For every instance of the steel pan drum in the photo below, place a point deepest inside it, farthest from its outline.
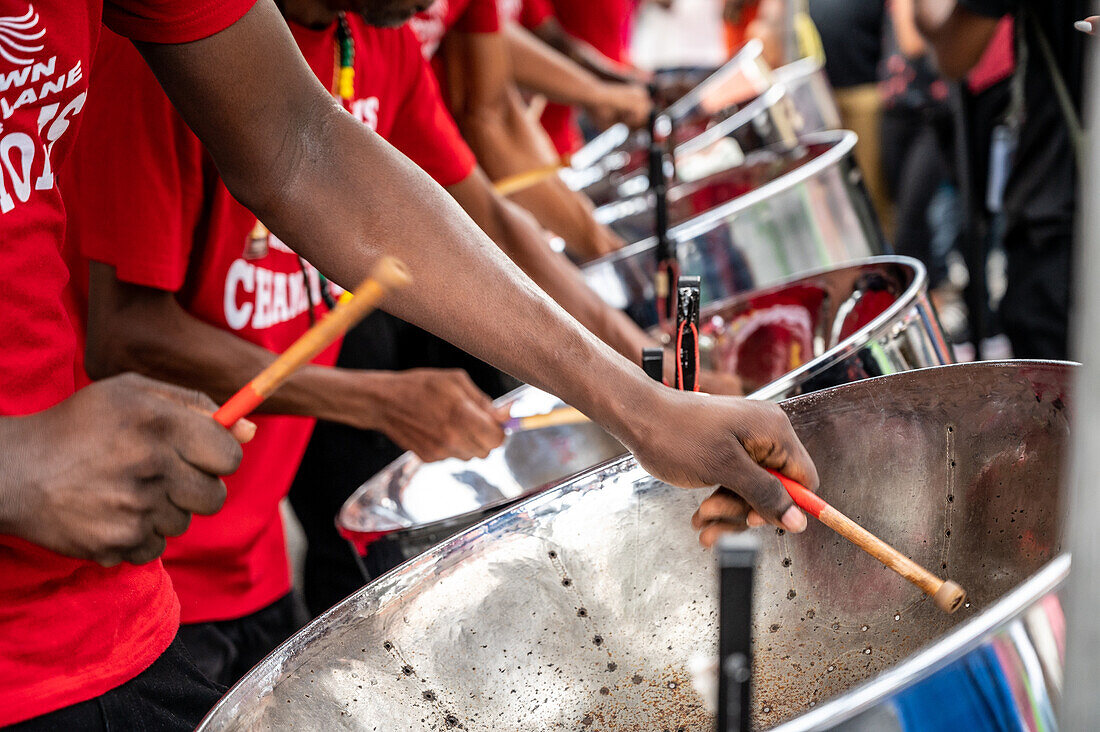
(813, 216)
(827, 328)
(579, 608)
(741, 107)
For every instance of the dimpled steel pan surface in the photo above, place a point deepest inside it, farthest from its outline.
(813, 215)
(580, 608)
(827, 328)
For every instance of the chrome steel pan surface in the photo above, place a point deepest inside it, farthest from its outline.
(813, 216)
(580, 608)
(762, 109)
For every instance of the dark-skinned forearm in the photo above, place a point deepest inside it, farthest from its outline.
(291, 153)
(516, 234)
(139, 329)
(552, 34)
(540, 68)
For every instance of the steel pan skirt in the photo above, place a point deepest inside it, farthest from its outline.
(816, 215)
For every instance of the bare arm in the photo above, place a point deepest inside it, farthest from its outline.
(435, 413)
(341, 196)
(552, 34)
(490, 113)
(540, 68)
(520, 237)
(958, 36)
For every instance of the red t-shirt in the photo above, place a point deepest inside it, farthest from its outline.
(165, 220)
(606, 26)
(69, 630)
(467, 16)
(528, 13)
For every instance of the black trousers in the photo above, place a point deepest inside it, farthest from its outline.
(339, 459)
(226, 650)
(171, 695)
(916, 161)
(1035, 308)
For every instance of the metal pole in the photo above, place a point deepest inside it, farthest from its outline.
(1081, 704)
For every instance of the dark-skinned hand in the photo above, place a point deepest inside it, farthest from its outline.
(112, 471)
(698, 440)
(436, 413)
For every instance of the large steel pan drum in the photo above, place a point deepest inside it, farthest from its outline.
(814, 215)
(580, 608)
(827, 328)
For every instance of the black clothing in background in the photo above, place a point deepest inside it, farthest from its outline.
(172, 695)
(228, 649)
(916, 161)
(1040, 195)
(339, 459)
(851, 34)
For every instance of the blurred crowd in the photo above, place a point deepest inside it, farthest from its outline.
(968, 114)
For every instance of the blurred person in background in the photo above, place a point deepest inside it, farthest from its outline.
(918, 150)
(1042, 141)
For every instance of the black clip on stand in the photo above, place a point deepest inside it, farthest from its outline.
(687, 333)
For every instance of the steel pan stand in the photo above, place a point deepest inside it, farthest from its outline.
(736, 563)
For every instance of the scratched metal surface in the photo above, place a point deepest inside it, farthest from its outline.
(579, 608)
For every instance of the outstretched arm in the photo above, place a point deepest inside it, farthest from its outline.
(341, 196)
(487, 106)
(435, 413)
(540, 68)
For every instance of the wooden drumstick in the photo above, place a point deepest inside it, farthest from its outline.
(553, 418)
(388, 274)
(947, 595)
(522, 181)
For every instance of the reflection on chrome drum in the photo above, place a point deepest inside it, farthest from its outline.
(813, 216)
(580, 608)
(741, 107)
(827, 328)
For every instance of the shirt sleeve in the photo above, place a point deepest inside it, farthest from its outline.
(426, 133)
(988, 8)
(172, 21)
(480, 16)
(534, 13)
(133, 184)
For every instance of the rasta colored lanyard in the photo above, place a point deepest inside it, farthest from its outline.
(343, 88)
(343, 82)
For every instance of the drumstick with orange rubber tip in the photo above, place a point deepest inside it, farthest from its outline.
(387, 275)
(947, 595)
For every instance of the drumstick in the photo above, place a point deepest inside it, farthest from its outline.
(388, 274)
(947, 595)
(521, 181)
(553, 418)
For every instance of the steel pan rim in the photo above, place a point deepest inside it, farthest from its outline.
(843, 142)
(752, 49)
(960, 640)
(881, 323)
(798, 69)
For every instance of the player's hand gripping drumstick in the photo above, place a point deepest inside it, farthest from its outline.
(387, 275)
(947, 595)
